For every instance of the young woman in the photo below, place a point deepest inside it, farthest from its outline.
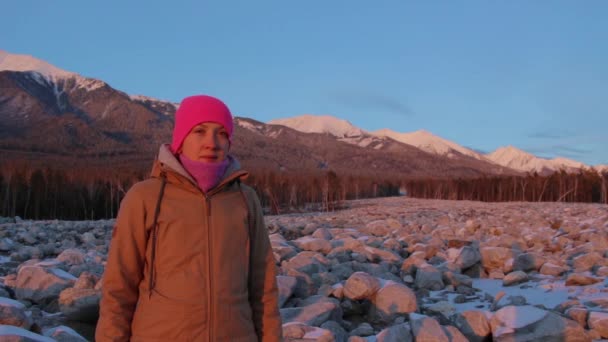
(190, 258)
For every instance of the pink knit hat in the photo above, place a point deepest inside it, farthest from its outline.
(198, 109)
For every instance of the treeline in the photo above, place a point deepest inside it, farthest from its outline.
(95, 193)
(91, 194)
(586, 186)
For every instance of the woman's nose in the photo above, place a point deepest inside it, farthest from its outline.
(210, 140)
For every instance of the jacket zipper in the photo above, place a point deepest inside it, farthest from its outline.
(209, 265)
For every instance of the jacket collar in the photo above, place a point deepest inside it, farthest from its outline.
(167, 162)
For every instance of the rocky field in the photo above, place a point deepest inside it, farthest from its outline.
(393, 269)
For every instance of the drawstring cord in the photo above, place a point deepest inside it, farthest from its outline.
(251, 237)
(152, 283)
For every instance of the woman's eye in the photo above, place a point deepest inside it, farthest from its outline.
(224, 134)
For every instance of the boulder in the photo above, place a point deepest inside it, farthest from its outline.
(40, 284)
(13, 313)
(474, 325)
(392, 300)
(80, 304)
(64, 334)
(361, 285)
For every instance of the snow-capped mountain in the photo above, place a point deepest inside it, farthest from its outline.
(325, 124)
(517, 159)
(429, 142)
(49, 75)
(308, 123)
(509, 157)
(45, 73)
(14, 62)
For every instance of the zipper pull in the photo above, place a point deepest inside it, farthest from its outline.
(208, 206)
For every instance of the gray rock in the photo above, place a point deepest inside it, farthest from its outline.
(454, 334)
(528, 323)
(313, 314)
(307, 262)
(474, 325)
(13, 313)
(295, 331)
(41, 285)
(427, 329)
(514, 278)
(524, 262)
(364, 329)
(581, 279)
(586, 261)
(396, 333)
(72, 257)
(494, 257)
(10, 333)
(468, 256)
(86, 280)
(337, 330)
(322, 233)
(360, 286)
(287, 286)
(428, 277)
(598, 321)
(80, 304)
(549, 268)
(64, 334)
(308, 243)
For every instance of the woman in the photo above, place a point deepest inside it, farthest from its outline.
(190, 259)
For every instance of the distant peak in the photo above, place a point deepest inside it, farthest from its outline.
(15, 62)
(310, 123)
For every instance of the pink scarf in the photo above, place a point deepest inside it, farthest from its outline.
(206, 174)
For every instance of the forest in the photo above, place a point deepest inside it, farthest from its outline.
(92, 194)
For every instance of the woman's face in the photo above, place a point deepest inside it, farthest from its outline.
(206, 142)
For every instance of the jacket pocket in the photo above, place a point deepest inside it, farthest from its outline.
(158, 317)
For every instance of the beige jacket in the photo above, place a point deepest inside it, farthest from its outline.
(194, 285)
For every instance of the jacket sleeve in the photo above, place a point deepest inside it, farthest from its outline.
(264, 294)
(123, 271)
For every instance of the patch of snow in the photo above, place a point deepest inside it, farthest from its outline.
(39, 78)
(275, 134)
(247, 125)
(89, 84)
(144, 98)
(532, 291)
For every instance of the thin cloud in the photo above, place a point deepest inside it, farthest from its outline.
(548, 135)
(371, 101)
(560, 150)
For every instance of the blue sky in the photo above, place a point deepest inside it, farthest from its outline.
(485, 74)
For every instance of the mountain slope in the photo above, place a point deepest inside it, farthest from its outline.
(520, 160)
(431, 143)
